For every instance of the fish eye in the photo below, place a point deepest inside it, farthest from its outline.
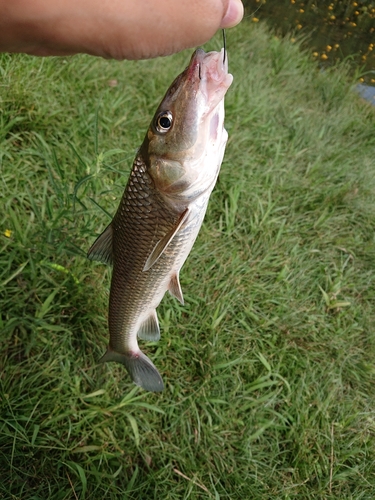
(164, 122)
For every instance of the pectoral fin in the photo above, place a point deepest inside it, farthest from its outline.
(101, 250)
(162, 244)
(175, 288)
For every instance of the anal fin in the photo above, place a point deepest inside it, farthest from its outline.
(175, 288)
(162, 244)
(149, 329)
(101, 250)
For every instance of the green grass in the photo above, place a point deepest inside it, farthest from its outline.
(269, 367)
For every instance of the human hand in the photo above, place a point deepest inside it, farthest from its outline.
(119, 29)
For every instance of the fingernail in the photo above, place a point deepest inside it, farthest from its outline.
(233, 15)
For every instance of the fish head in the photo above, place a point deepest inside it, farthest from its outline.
(185, 142)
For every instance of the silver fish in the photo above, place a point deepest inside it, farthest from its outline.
(162, 209)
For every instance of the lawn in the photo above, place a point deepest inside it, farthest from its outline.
(270, 366)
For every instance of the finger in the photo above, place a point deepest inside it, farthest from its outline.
(166, 26)
(120, 29)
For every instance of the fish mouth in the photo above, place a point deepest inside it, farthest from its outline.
(209, 72)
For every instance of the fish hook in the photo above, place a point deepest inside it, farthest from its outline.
(225, 45)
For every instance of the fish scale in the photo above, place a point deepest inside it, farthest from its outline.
(134, 237)
(162, 210)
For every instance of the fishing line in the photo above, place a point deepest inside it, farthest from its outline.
(255, 11)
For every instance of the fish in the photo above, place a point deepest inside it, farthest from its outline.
(162, 210)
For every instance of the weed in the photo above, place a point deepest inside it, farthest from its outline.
(269, 367)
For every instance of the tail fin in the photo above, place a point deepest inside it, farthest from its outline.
(141, 369)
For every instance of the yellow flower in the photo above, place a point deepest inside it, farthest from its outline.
(299, 26)
(255, 20)
(361, 80)
(324, 56)
(328, 48)
(7, 233)
(315, 54)
(332, 18)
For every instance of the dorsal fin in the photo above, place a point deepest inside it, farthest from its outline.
(175, 288)
(162, 244)
(149, 329)
(101, 250)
